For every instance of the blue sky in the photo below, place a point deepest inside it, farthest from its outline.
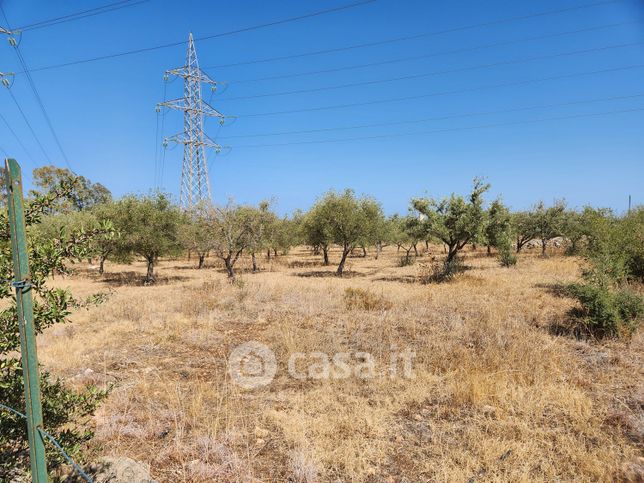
(586, 152)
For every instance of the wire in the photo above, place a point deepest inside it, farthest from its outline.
(31, 129)
(39, 100)
(414, 133)
(18, 139)
(416, 36)
(80, 15)
(53, 441)
(441, 118)
(439, 72)
(443, 93)
(207, 37)
(433, 54)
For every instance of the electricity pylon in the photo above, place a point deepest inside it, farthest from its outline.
(195, 185)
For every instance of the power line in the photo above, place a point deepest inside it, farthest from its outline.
(207, 37)
(4, 120)
(441, 118)
(433, 54)
(429, 74)
(416, 36)
(444, 93)
(110, 7)
(31, 129)
(414, 133)
(39, 100)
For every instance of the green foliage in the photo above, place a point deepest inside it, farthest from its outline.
(345, 220)
(506, 257)
(232, 232)
(64, 410)
(441, 271)
(613, 253)
(548, 222)
(455, 221)
(149, 227)
(498, 224)
(607, 312)
(406, 260)
(84, 195)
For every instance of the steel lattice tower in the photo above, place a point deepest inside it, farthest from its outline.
(195, 185)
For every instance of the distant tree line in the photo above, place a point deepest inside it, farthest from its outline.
(151, 227)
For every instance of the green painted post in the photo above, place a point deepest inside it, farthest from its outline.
(25, 309)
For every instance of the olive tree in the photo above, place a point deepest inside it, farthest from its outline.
(196, 235)
(345, 220)
(84, 194)
(548, 222)
(231, 233)
(524, 227)
(455, 220)
(149, 227)
(498, 225)
(316, 230)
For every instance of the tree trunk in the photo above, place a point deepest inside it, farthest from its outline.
(268, 254)
(519, 245)
(325, 252)
(444, 248)
(474, 247)
(101, 265)
(275, 252)
(544, 245)
(345, 253)
(254, 259)
(378, 249)
(202, 259)
(229, 267)
(364, 252)
(150, 276)
(415, 249)
(451, 254)
(489, 250)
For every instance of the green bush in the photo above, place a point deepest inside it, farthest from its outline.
(406, 261)
(607, 312)
(507, 258)
(440, 271)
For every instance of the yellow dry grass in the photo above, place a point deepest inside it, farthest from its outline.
(495, 395)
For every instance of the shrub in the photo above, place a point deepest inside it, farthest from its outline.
(357, 298)
(65, 411)
(440, 271)
(607, 312)
(406, 261)
(507, 258)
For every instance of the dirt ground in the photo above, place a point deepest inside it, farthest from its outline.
(496, 391)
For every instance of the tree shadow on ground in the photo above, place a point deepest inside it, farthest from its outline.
(305, 263)
(137, 279)
(398, 278)
(329, 274)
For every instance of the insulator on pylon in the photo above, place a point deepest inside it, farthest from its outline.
(165, 77)
(158, 108)
(5, 82)
(218, 149)
(165, 143)
(213, 88)
(221, 121)
(12, 41)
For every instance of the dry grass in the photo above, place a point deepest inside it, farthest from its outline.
(495, 395)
